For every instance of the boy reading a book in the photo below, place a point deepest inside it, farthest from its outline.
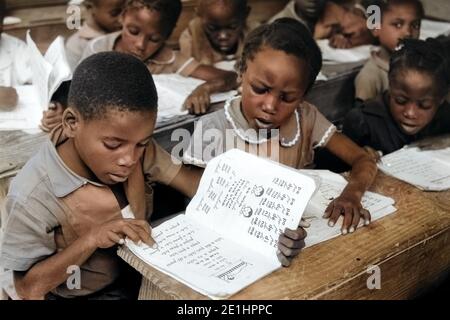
(64, 207)
(14, 65)
(102, 18)
(400, 19)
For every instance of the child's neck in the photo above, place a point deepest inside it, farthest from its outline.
(384, 54)
(72, 160)
(90, 21)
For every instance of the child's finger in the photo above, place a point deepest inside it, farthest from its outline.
(366, 216)
(335, 214)
(130, 233)
(304, 224)
(285, 262)
(115, 238)
(298, 234)
(348, 217)
(355, 221)
(288, 252)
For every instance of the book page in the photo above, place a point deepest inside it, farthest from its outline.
(250, 200)
(417, 168)
(56, 57)
(202, 259)
(330, 186)
(173, 89)
(41, 70)
(27, 114)
(334, 55)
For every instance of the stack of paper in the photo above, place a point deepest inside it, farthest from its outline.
(173, 90)
(426, 169)
(330, 186)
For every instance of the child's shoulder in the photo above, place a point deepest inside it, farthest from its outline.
(101, 44)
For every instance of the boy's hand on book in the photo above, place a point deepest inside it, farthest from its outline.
(115, 231)
(198, 101)
(290, 243)
(52, 117)
(348, 205)
(8, 98)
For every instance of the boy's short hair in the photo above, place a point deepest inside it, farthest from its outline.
(170, 11)
(385, 5)
(240, 6)
(112, 80)
(2, 9)
(431, 56)
(289, 36)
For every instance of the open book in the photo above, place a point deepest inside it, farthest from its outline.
(48, 72)
(228, 237)
(425, 169)
(330, 186)
(173, 90)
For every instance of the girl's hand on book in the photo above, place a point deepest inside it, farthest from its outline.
(348, 205)
(52, 117)
(290, 243)
(115, 231)
(198, 101)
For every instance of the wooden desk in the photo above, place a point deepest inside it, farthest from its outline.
(410, 247)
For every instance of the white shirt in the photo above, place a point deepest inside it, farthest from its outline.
(15, 67)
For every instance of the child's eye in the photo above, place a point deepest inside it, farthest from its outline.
(398, 25)
(115, 13)
(400, 100)
(212, 28)
(111, 145)
(144, 144)
(155, 39)
(133, 31)
(259, 90)
(416, 25)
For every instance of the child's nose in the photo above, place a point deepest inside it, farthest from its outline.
(141, 43)
(410, 111)
(128, 158)
(270, 104)
(223, 35)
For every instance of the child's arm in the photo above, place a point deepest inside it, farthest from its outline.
(362, 175)
(216, 81)
(51, 272)
(187, 180)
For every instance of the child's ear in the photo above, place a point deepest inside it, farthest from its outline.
(70, 121)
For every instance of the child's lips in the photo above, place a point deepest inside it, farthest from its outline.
(118, 178)
(263, 124)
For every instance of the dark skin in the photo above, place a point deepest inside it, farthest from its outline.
(104, 150)
(273, 85)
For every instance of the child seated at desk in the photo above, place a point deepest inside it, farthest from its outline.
(14, 65)
(400, 19)
(279, 64)
(64, 205)
(102, 18)
(216, 35)
(343, 22)
(414, 107)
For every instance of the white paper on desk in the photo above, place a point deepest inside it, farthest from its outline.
(228, 237)
(432, 29)
(50, 70)
(27, 114)
(173, 89)
(330, 186)
(427, 170)
(333, 55)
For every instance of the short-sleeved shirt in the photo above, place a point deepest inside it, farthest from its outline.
(49, 206)
(372, 125)
(77, 43)
(194, 43)
(165, 60)
(15, 69)
(373, 79)
(292, 145)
